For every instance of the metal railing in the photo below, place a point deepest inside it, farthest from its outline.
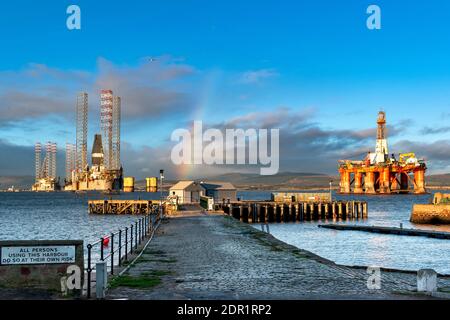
(127, 240)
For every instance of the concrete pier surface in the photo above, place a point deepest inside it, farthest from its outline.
(202, 256)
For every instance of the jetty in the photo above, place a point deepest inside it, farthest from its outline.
(191, 258)
(269, 211)
(120, 207)
(437, 212)
(389, 230)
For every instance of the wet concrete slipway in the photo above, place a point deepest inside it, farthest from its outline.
(199, 256)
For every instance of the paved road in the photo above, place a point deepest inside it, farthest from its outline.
(216, 257)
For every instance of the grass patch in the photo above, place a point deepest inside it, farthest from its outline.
(299, 254)
(264, 241)
(145, 280)
(141, 282)
(408, 293)
(171, 260)
(157, 273)
(142, 260)
(162, 260)
(153, 251)
(275, 248)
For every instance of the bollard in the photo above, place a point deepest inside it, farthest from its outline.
(101, 279)
(89, 271)
(120, 248)
(426, 280)
(112, 253)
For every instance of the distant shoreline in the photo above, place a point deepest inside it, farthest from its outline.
(438, 187)
(284, 188)
(277, 188)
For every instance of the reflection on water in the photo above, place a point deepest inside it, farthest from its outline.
(362, 248)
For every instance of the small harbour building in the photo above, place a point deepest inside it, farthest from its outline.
(187, 192)
(220, 191)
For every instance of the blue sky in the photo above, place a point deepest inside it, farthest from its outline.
(220, 60)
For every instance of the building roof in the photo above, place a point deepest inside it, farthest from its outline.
(183, 185)
(218, 185)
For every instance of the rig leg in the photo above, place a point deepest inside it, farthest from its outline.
(370, 183)
(419, 178)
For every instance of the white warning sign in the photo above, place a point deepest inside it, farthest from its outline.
(37, 255)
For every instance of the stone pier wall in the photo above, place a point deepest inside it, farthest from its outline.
(43, 275)
(431, 214)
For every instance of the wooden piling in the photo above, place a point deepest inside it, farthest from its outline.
(340, 211)
(365, 213)
(269, 212)
(333, 211)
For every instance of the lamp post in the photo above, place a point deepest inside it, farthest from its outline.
(331, 194)
(161, 177)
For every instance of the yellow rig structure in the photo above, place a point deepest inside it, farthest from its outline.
(151, 184)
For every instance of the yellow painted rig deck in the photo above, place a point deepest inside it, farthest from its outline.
(266, 212)
(133, 207)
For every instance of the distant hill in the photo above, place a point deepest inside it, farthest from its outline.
(301, 180)
(291, 180)
(282, 180)
(19, 182)
(438, 180)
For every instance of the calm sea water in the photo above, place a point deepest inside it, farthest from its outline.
(59, 215)
(27, 216)
(364, 249)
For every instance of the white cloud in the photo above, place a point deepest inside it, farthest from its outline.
(257, 76)
(149, 89)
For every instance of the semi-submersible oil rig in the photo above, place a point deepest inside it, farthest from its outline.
(381, 173)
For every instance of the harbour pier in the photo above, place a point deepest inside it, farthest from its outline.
(390, 230)
(120, 207)
(275, 212)
(191, 258)
(437, 212)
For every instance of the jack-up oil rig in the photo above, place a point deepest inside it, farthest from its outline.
(105, 172)
(380, 173)
(46, 179)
